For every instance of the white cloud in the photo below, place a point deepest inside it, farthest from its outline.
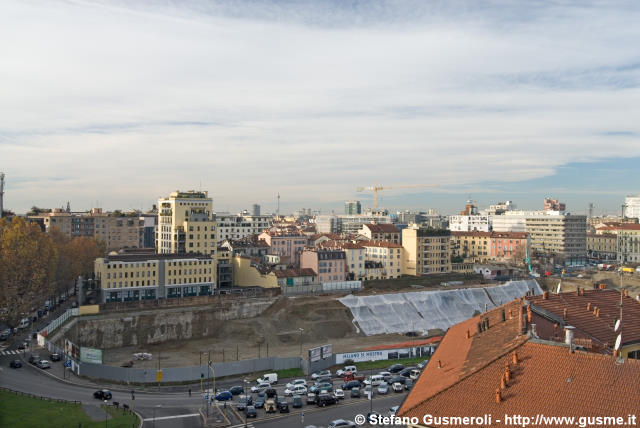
(104, 101)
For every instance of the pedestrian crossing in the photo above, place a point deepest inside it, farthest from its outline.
(10, 352)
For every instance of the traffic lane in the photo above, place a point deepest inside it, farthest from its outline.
(322, 416)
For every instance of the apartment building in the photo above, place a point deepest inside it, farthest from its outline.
(186, 224)
(241, 225)
(628, 243)
(632, 206)
(115, 230)
(329, 264)
(471, 246)
(468, 223)
(602, 246)
(348, 224)
(384, 259)
(288, 244)
(559, 234)
(354, 257)
(381, 232)
(553, 205)
(426, 251)
(509, 245)
(352, 207)
(224, 267)
(128, 277)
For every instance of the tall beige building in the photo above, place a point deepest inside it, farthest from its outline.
(186, 224)
(426, 251)
(560, 234)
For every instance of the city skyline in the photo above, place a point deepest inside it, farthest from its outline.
(122, 103)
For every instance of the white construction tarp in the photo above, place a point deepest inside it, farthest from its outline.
(427, 310)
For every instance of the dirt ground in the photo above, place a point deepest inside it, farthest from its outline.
(276, 332)
(589, 278)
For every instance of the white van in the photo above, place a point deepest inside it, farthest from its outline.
(269, 378)
(374, 380)
(414, 374)
(24, 323)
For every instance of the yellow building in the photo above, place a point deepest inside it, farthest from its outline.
(628, 243)
(248, 274)
(471, 246)
(602, 246)
(384, 257)
(186, 224)
(127, 277)
(426, 251)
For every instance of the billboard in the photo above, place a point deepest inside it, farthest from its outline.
(315, 354)
(327, 351)
(90, 355)
(71, 349)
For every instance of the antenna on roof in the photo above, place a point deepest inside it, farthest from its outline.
(618, 342)
(559, 287)
(617, 326)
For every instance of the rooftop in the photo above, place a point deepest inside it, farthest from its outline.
(381, 228)
(382, 244)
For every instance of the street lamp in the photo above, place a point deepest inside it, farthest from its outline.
(300, 330)
(105, 414)
(244, 381)
(371, 388)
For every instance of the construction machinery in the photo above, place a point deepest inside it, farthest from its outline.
(379, 187)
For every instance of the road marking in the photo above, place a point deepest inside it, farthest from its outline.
(161, 418)
(249, 425)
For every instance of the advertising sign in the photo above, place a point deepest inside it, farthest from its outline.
(315, 354)
(327, 351)
(90, 355)
(71, 349)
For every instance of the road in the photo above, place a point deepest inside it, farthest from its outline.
(178, 409)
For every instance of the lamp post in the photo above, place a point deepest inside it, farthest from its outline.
(300, 330)
(245, 382)
(371, 388)
(105, 414)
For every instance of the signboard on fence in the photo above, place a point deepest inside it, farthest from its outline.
(90, 355)
(315, 354)
(327, 351)
(71, 349)
(383, 354)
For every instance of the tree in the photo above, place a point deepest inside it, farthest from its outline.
(27, 268)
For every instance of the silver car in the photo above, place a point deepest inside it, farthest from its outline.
(383, 388)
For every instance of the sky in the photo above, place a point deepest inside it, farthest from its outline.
(115, 103)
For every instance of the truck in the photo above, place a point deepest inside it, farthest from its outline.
(269, 378)
(605, 266)
(349, 376)
(625, 269)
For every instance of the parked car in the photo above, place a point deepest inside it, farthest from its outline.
(4, 336)
(341, 423)
(374, 380)
(320, 374)
(395, 368)
(397, 387)
(368, 391)
(15, 364)
(351, 384)
(422, 364)
(55, 357)
(393, 410)
(386, 375)
(259, 387)
(22, 346)
(342, 371)
(224, 396)
(324, 379)
(398, 379)
(383, 388)
(269, 378)
(270, 405)
(259, 402)
(414, 374)
(296, 390)
(271, 392)
(297, 401)
(326, 399)
(237, 390)
(321, 387)
(370, 416)
(102, 394)
(311, 398)
(284, 407)
(243, 402)
(408, 384)
(296, 382)
(251, 412)
(406, 372)
(43, 364)
(34, 358)
(339, 394)
(355, 392)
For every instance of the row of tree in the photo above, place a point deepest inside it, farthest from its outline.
(36, 266)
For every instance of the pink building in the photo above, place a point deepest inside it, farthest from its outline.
(285, 244)
(330, 265)
(507, 245)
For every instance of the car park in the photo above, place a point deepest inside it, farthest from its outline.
(383, 388)
(340, 423)
(43, 364)
(351, 384)
(355, 392)
(339, 394)
(224, 396)
(297, 401)
(296, 382)
(55, 357)
(259, 387)
(251, 412)
(296, 390)
(15, 364)
(321, 373)
(102, 394)
(325, 400)
(237, 390)
(395, 368)
(397, 387)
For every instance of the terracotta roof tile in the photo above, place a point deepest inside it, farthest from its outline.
(381, 228)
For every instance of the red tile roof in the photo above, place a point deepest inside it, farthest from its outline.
(628, 226)
(382, 244)
(381, 228)
(463, 375)
(600, 328)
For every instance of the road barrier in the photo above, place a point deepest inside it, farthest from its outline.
(39, 397)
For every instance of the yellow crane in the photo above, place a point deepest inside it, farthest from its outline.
(379, 187)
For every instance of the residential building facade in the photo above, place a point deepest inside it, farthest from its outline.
(602, 246)
(241, 225)
(632, 206)
(426, 251)
(468, 223)
(381, 232)
(387, 254)
(628, 243)
(328, 264)
(286, 244)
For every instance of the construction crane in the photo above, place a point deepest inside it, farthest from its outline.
(379, 187)
(1, 193)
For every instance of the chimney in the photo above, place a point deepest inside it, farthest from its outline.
(568, 335)
(503, 383)
(578, 291)
(545, 295)
(468, 335)
(498, 396)
(598, 312)
(503, 315)
(589, 306)
(564, 314)
(487, 323)
(439, 364)
(534, 333)
(514, 358)
(479, 327)
(507, 374)
(510, 314)
(521, 321)
(529, 316)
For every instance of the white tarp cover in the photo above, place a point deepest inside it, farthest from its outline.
(426, 310)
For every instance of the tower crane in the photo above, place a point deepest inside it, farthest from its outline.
(379, 187)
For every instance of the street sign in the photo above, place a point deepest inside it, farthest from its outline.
(67, 363)
(159, 376)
